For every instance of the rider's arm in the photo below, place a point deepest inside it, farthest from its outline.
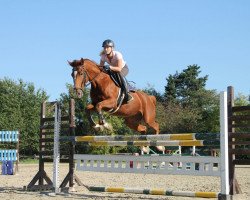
(102, 63)
(117, 68)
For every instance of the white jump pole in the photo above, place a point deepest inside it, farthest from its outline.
(224, 144)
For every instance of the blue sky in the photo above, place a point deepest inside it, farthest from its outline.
(156, 37)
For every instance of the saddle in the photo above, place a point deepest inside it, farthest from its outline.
(122, 83)
(117, 79)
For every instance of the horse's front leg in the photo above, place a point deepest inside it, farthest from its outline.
(102, 124)
(89, 109)
(108, 104)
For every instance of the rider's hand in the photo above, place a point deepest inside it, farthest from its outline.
(106, 67)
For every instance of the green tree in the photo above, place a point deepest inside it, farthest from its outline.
(242, 100)
(151, 91)
(189, 106)
(20, 110)
(182, 87)
(170, 90)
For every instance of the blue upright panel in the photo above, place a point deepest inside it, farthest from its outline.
(10, 167)
(4, 167)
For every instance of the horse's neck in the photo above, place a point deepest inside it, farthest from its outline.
(93, 69)
(100, 80)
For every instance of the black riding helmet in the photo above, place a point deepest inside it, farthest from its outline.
(108, 43)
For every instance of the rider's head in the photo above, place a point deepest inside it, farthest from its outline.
(108, 43)
(108, 46)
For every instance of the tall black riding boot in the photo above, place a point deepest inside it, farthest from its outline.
(124, 87)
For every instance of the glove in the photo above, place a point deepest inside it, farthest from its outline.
(106, 67)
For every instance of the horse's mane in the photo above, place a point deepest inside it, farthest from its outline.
(91, 61)
(76, 63)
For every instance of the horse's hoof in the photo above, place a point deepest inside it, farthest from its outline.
(160, 148)
(102, 128)
(108, 126)
(97, 127)
(145, 149)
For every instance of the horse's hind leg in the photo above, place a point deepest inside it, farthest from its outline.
(149, 111)
(134, 123)
(149, 119)
(154, 125)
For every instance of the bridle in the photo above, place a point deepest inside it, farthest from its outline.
(86, 75)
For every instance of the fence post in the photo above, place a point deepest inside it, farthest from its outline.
(56, 148)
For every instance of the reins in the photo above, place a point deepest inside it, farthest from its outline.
(87, 74)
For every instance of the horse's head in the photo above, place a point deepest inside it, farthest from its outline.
(79, 75)
(82, 71)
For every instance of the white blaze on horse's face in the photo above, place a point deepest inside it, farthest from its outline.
(74, 75)
(78, 83)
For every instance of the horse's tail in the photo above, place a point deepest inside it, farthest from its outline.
(153, 99)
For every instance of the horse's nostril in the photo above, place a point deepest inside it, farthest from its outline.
(79, 93)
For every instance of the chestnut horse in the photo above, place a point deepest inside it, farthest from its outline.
(104, 94)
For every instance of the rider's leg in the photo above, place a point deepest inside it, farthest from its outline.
(124, 87)
(124, 84)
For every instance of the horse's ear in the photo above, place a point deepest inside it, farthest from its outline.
(82, 61)
(70, 63)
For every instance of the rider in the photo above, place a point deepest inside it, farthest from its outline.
(116, 64)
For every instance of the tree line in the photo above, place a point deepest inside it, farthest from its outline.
(185, 106)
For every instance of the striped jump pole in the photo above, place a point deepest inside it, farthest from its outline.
(155, 143)
(186, 139)
(174, 136)
(155, 192)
